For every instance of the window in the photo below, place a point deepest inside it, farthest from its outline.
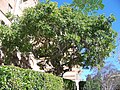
(2, 22)
(9, 8)
(24, 0)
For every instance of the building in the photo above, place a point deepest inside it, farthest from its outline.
(14, 7)
(74, 75)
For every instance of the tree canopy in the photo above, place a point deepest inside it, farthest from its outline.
(86, 6)
(61, 36)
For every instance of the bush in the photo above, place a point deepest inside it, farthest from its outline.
(69, 85)
(93, 84)
(14, 78)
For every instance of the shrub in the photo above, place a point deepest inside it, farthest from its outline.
(93, 84)
(69, 85)
(14, 78)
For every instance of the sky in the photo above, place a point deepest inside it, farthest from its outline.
(111, 7)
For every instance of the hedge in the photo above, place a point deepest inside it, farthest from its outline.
(14, 78)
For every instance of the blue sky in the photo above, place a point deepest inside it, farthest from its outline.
(111, 7)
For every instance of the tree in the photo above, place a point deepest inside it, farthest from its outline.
(61, 36)
(105, 71)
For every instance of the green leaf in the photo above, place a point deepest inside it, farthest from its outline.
(101, 6)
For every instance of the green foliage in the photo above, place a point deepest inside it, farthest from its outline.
(69, 85)
(14, 78)
(7, 36)
(93, 84)
(86, 6)
(10, 16)
(49, 31)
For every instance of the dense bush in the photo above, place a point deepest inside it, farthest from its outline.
(69, 85)
(14, 78)
(93, 84)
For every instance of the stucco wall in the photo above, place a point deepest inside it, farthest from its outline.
(15, 7)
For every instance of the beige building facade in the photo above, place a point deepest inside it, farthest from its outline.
(14, 7)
